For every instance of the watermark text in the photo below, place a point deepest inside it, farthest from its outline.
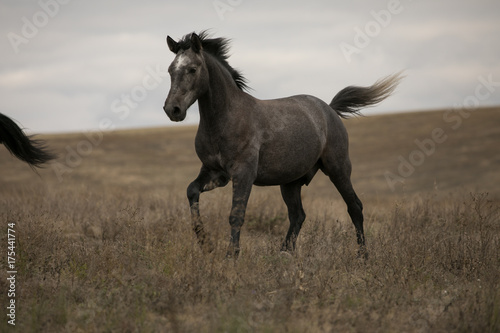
(11, 273)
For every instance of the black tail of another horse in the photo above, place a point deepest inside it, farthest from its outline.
(33, 152)
(352, 99)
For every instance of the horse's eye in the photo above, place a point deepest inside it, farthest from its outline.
(192, 70)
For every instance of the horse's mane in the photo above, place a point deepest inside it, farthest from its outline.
(219, 49)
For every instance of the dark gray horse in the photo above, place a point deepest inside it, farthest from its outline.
(263, 142)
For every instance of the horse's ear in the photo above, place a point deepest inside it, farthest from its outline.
(196, 43)
(172, 45)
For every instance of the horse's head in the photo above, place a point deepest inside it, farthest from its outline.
(189, 77)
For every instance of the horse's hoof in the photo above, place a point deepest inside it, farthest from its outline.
(286, 254)
(362, 254)
(207, 246)
(232, 253)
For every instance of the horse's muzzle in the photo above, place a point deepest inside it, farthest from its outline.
(174, 113)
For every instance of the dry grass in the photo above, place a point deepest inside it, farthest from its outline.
(110, 248)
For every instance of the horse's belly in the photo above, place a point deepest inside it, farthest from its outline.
(285, 167)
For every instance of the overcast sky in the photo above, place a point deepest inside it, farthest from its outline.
(71, 65)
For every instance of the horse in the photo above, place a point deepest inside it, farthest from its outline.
(34, 152)
(262, 142)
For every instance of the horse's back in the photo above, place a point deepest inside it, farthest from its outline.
(304, 110)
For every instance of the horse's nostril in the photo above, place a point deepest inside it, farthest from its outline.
(176, 111)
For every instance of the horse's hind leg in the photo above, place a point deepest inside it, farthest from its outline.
(340, 175)
(291, 195)
(207, 180)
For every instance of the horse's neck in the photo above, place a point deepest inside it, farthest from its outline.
(214, 105)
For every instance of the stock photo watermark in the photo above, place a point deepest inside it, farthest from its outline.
(122, 107)
(139, 93)
(31, 26)
(224, 6)
(454, 118)
(11, 273)
(363, 36)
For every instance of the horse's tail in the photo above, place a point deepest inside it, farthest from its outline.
(352, 99)
(33, 152)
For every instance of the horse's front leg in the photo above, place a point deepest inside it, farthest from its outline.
(207, 180)
(242, 186)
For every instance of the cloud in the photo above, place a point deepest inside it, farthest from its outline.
(91, 53)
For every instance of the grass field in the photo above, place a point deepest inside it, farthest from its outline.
(104, 240)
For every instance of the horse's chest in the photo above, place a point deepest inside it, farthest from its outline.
(210, 156)
(214, 160)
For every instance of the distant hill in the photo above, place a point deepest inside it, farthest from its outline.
(427, 151)
(391, 154)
